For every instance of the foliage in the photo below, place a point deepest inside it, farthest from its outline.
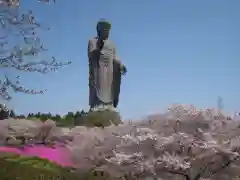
(182, 145)
(102, 118)
(29, 168)
(21, 55)
(99, 119)
(45, 128)
(70, 119)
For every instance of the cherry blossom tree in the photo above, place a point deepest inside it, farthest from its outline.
(21, 56)
(202, 147)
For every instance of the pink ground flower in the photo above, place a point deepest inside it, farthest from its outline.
(60, 155)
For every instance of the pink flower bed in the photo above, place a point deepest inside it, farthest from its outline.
(59, 155)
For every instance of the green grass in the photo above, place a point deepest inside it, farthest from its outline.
(31, 168)
(16, 167)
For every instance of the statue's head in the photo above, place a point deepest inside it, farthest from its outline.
(103, 29)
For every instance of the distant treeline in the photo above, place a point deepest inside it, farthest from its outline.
(71, 118)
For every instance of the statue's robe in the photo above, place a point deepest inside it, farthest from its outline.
(117, 82)
(101, 73)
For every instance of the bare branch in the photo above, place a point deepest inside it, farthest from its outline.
(24, 26)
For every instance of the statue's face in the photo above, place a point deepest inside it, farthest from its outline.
(103, 30)
(104, 33)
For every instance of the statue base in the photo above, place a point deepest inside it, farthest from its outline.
(102, 118)
(102, 108)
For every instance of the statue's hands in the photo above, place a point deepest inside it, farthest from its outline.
(100, 44)
(123, 70)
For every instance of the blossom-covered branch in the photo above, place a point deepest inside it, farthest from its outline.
(200, 149)
(21, 57)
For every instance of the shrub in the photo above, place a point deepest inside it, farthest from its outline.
(102, 118)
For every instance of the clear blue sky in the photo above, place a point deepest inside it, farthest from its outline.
(175, 51)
